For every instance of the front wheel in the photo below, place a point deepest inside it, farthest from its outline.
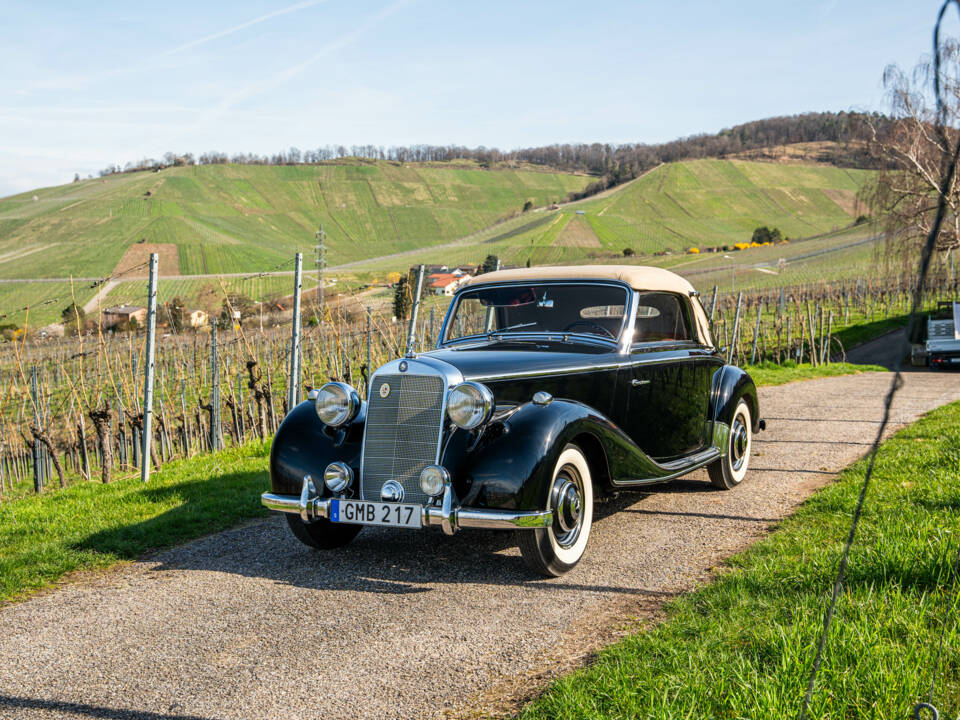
(321, 533)
(729, 471)
(555, 550)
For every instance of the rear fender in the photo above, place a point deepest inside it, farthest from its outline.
(730, 384)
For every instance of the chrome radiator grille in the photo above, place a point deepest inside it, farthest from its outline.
(402, 434)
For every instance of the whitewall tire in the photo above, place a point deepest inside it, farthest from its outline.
(555, 550)
(730, 470)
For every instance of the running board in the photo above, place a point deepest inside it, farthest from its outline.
(719, 433)
(676, 468)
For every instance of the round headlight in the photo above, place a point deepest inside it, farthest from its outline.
(337, 404)
(338, 477)
(432, 480)
(470, 405)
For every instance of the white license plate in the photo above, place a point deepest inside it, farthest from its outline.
(955, 360)
(359, 512)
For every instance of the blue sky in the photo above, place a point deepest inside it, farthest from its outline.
(84, 85)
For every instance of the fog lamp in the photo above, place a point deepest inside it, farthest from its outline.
(432, 480)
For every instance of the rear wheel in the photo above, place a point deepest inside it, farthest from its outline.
(322, 533)
(555, 550)
(729, 471)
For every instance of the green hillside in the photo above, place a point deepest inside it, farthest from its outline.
(230, 218)
(227, 218)
(702, 203)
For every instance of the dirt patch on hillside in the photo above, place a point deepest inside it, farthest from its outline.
(135, 261)
(846, 199)
(577, 234)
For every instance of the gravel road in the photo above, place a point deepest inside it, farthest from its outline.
(250, 624)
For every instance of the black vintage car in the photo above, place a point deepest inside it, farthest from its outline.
(547, 387)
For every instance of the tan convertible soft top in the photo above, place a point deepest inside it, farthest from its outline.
(639, 277)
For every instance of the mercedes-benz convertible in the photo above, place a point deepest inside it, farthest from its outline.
(548, 387)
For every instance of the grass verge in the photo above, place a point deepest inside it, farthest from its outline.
(89, 525)
(742, 647)
(769, 373)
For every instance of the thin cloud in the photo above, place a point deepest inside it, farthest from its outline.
(244, 25)
(287, 73)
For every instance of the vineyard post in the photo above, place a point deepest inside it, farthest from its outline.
(736, 328)
(829, 335)
(369, 369)
(148, 370)
(293, 382)
(713, 303)
(412, 331)
(38, 459)
(431, 324)
(756, 334)
(214, 390)
(823, 338)
(488, 323)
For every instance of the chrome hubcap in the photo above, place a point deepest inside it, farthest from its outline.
(567, 505)
(739, 438)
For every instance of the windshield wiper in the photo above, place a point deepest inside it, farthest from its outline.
(514, 327)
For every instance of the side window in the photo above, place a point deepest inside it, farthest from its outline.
(660, 317)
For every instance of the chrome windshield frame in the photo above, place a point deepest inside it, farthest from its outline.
(621, 342)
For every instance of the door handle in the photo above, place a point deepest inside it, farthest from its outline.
(638, 383)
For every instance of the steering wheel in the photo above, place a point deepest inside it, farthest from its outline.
(590, 323)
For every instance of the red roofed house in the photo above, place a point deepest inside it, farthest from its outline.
(445, 283)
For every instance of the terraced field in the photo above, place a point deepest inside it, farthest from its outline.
(230, 218)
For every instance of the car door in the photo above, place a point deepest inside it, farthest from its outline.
(666, 405)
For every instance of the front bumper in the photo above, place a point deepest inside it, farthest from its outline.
(449, 516)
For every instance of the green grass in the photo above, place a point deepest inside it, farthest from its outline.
(769, 373)
(89, 525)
(742, 646)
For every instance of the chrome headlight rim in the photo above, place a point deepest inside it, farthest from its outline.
(439, 473)
(483, 404)
(349, 398)
(338, 477)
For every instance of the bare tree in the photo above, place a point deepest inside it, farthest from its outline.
(905, 192)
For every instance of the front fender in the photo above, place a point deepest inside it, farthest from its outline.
(511, 465)
(305, 446)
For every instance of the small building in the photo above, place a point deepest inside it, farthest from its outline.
(119, 314)
(196, 318)
(444, 283)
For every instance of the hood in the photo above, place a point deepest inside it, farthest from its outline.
(505, 358)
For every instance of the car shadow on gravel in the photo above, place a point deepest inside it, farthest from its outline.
(381, 560)
(62, 707)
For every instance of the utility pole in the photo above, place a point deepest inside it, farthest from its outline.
(321, 258)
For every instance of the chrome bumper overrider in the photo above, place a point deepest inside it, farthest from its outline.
(448, 515)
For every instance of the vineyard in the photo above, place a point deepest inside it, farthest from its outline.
(71, 408)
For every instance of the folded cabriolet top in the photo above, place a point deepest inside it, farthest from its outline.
(639, 277)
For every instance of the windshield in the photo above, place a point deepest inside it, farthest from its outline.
(585, 309)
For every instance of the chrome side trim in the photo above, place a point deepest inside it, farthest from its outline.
(586, 368)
